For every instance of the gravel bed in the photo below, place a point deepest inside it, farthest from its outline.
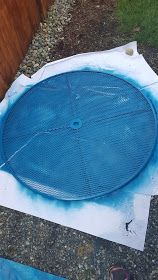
(47, 36)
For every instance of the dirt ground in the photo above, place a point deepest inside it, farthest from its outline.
(94, 27)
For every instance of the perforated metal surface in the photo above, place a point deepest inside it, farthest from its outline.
(79, 135)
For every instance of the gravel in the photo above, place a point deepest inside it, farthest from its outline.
(73, 254)
(72, 27)
(47, 36)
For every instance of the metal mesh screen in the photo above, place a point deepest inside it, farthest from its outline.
(79, 135)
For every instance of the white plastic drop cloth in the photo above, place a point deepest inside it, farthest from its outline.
(122, 216)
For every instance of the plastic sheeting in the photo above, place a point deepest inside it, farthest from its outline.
(105, 216)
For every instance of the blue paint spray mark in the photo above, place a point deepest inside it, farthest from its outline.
(36, 197)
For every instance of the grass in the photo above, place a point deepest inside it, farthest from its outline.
(140, 18)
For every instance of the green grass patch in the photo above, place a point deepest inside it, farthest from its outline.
(140, 18)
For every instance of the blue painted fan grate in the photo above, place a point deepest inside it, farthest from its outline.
(79, 135)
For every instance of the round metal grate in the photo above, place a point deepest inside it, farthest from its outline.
(79, 135)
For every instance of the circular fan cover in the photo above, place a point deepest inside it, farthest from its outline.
(79, 135)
